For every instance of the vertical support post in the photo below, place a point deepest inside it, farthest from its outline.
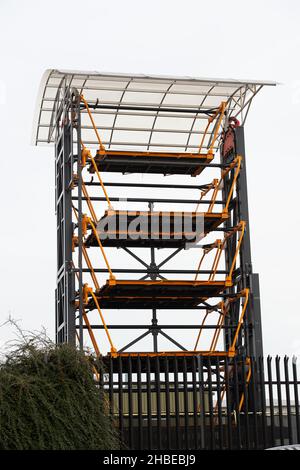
(254, 344)
(77, 126)
(249, 279)
(201, 401)
(154, 330)
(65, 290)
(257, 322)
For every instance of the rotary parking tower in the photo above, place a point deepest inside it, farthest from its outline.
(155, 168)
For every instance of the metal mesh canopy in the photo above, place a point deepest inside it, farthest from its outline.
(139, 112)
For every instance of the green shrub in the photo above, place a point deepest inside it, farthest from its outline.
(49, 400)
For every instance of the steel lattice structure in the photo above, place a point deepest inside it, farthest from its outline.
(191, 130)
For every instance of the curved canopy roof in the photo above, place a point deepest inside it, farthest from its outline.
(143, 112)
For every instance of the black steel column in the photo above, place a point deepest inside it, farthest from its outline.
(250, 280)
(65, 290)
(77, 147)
(153, 276)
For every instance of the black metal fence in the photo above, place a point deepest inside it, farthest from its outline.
(171, 403)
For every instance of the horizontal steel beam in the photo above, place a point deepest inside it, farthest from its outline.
(144, 271)
(156, 109)
(158, 327)
(133, 144)
(137, 199)
(146, 185)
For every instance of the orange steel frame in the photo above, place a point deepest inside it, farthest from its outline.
(89, 223)
(235, 296)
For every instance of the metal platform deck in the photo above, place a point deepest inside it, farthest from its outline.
(164, 294)
(154, 229)
(151, 162)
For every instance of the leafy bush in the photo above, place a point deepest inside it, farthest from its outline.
(50, 400)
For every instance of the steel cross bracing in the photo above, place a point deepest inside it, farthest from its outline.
(224, 288)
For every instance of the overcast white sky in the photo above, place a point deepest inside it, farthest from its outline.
(253, 40)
